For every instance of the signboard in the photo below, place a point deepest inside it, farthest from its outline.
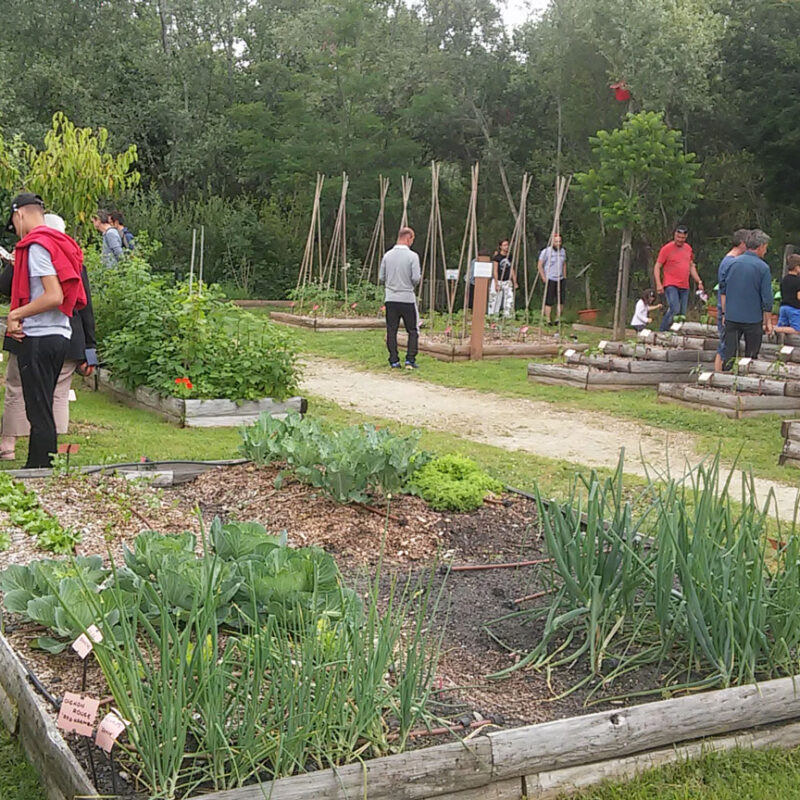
(77, 714)
(482, 269)
(786, 350)
(704, 377)
(451, 274)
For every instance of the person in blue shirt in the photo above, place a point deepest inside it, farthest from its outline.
(738, 247)
(746, 293)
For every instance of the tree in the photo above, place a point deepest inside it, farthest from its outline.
(642, 182)
(72, 173)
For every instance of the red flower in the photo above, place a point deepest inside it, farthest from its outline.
(184, 382)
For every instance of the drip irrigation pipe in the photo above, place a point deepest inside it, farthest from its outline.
(511, 565)
(40, 687)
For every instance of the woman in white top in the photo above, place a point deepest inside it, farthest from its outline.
(644, 306)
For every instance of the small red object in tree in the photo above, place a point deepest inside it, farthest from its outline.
(621, 92)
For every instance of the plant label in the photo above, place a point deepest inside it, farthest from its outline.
(704, 377)
(72, 396)
(77, 714)
(603, 344)
(569, 353)
(523, 329)
(109, 730)
(83, 644)
(644, 333)
(743, 362)
(787, 350)
(676, 326)
(451, 274)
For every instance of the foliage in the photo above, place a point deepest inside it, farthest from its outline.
(702, 597)
(302, 679)
(643, 178)
(363, 299)
(152, 332)
(72, 173)
(346, 463)
(453, 483)
(25, 512)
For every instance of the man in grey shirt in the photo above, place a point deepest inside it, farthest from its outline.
(400, 272)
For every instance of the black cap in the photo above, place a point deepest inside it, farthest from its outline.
(681, 229)
(23, 199)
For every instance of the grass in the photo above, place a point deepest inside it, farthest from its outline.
(18, 779)
(758, 440)
(734, 775)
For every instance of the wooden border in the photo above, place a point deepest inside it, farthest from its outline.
(460, 351)
(730, 404)
(22, 712)
(196, 413)
(588, 377)
(322, 324)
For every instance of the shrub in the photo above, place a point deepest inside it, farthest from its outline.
(453, 483)
(153, 333)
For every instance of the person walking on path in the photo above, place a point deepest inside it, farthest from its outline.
(789, 314)
(677, 260)
(504, 282)
(81, 356)
(746, 292)
(738, 247)
(112, 241)
(46, 289)
(553, 272)
(400, 273)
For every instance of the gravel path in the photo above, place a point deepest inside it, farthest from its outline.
(584, 437)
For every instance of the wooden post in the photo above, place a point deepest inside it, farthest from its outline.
(480, 298)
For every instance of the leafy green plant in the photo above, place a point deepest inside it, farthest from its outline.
(453, 483)
(154, 333)
(25, 512)
(346, 463)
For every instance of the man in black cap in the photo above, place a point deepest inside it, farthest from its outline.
(677, 259)
(46, 289)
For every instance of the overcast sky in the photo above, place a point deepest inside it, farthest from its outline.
(515, 12)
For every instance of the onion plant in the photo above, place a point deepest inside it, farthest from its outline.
(686, 582)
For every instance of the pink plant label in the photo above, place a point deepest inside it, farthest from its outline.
(83, 644)
(78, 713)
(523, 329)
(109, 730)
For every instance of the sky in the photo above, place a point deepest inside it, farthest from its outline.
(515, 12)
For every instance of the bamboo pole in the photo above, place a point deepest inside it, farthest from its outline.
(406, 182)
(191, 264)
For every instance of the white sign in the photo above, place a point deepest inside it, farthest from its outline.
(602, 345)
(704, 377)
(569, 353)
(482, 269)
(644, 333)
(676, 326)
(451, 274)
(743, 362)
(787, 350)
(72, 396)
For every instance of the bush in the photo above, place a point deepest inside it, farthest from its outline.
(152, 333)
(453, 483)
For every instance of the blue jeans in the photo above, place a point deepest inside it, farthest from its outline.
(677, 303)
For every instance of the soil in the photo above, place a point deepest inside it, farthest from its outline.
(416, 540)
(589, 438)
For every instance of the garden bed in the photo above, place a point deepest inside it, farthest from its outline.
(321, 324)
(737, 405)
(444, 348)
(190, 413)
(606, 372)
(554, 750)
(790, 430)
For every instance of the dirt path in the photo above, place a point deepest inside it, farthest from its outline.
(584, 437)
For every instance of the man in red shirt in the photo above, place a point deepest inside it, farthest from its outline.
(678, 262)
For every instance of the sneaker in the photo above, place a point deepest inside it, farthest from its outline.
(411, 365)
(394, 364)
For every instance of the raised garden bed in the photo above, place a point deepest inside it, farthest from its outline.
(189, 413)
(459, 350)
(717, 395)
(537, 760)
(316, 323)
(790, 430)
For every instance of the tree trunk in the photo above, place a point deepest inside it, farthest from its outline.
(623, 277)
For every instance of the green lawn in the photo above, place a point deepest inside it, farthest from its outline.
(18, 780)
(758, 440)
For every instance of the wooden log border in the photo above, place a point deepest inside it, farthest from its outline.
(588, 376)
(459, 351)
(730, 404)
(328, 323)
(196, 413)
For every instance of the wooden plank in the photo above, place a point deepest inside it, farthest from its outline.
(726, 412)
(9, 711)
(790, 429)
(791, 450)
(247, 408)
(612, 734)
(743, 383)
(62, 776)
(558, 372)
(693, 356)
(770, 403)
(549, 785)
(662, 368)
(511, 789)
(432, 772)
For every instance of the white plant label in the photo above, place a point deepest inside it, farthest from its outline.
(644, 333)
(451, 274)
(569, 353)
(83, 644)
(787, 350)
(72, 396)
(743, 362)
(676, 326)
(603, 344)
(704, 377)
